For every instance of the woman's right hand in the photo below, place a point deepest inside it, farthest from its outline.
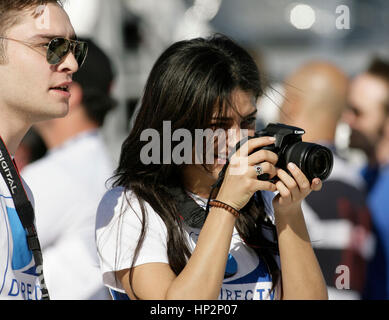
(240, 180)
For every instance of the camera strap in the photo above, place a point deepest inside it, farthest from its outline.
(24, 210)
(191, 213)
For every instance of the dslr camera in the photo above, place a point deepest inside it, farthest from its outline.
(314, 160)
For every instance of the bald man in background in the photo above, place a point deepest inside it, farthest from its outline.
(337, 218)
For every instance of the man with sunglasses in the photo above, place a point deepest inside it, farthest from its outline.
(38, 56)
(81, 164)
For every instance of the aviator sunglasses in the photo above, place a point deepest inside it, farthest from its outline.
(58, 48)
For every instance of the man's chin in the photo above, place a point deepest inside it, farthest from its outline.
(53, 111)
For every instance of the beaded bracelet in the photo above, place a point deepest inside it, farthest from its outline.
(219, 204)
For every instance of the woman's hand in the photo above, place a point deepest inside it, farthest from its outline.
(293, 189)
(240, 180)
(301, 274)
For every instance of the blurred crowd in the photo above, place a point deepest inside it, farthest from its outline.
(348, 221)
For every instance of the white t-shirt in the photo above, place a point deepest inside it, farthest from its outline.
(118, 227)
(68, 184)
(18, 278)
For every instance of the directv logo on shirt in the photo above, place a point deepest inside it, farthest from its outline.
(18, 273)
(246, 276)
(248, 283)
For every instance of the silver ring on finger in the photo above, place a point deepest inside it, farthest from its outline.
(260, 175)
(258, 169)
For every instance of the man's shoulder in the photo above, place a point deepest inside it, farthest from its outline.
(385, 173)
(40, 167)
(380, 189)
(40, 174)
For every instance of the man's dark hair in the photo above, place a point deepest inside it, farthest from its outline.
(10, 13)
(380, 69)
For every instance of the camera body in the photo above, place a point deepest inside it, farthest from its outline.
(315, 161)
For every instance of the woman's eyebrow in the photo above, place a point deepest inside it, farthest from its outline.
(230, 119)
(222, 119)
(250, 114)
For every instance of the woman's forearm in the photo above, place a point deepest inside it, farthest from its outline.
(301, 274)
(203, 275)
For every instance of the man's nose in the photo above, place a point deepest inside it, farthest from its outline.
(69, 64)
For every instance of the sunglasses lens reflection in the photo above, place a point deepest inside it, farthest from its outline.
(60, 47)
(57, 50)
(80, 53)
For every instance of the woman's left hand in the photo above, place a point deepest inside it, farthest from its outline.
(292, 190)
(296, 252)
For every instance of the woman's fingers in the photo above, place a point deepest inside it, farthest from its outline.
(285, 193)
(252, 144)
(316, 184)
(240, 163)
(261, 156)
(300, 179)
(287, 186)
(296, 186)
(264, 185)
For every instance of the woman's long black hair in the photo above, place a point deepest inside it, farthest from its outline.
(188, 81)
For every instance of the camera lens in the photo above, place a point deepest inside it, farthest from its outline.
(319, 162)
(314, 160)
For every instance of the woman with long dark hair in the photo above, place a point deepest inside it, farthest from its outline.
(159, 236)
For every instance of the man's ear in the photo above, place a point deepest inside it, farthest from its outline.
(76, 96)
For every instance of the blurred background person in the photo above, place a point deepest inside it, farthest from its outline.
(368, 109)
(382, 152)
(338, 220)
(378, 282)
(70, 181)
(368, 116)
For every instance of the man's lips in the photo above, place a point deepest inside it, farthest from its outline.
(62, 89)
(62, 86)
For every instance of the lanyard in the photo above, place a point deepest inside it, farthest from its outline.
(25, 211)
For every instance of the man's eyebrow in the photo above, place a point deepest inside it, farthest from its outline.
(51, 36)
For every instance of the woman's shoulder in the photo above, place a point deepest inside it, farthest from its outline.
(119, 203)
(115, 196)
(109, 206)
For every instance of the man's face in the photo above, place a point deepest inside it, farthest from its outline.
(27, 79)
(366, 114)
